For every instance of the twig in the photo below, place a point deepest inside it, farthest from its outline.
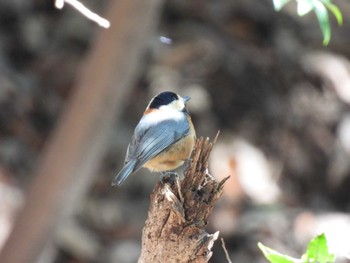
(225, 250)
(85, 11)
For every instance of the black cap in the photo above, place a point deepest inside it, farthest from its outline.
(162, 99)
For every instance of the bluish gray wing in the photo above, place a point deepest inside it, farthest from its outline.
(149, 142)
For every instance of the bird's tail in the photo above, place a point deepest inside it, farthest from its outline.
(124, 173)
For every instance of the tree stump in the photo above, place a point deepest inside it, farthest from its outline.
(178, 214)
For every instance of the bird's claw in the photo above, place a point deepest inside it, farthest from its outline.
(169, 177)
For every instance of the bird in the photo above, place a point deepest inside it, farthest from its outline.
(163, 139)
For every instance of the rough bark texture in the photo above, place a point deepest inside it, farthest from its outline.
(178, 214)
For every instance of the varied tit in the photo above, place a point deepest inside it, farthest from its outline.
(163, 139)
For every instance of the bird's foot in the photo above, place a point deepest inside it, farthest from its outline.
(169, 177)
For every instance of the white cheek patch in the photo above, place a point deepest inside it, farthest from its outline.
(163, 114)
(177, 105)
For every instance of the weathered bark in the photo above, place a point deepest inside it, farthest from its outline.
(178, 214)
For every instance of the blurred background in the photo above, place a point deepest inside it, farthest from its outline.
(279, 97)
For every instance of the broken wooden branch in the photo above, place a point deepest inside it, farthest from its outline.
(178, 214)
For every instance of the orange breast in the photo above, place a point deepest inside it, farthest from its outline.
(174, 156)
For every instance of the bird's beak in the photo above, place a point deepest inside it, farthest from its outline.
(186, 98)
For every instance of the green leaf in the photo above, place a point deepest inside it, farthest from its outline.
(335, 10)
(320, 7)
(279, 4)
(275, 257)
(304, 7)
(323, 20)
(317, 251)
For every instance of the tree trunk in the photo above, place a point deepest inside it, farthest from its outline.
(178, 214)
(77, 145)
